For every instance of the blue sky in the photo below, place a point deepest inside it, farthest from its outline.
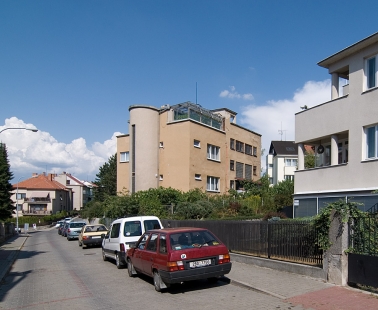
(72, 68)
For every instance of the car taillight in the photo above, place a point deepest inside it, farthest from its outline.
(68, 230)
(122, 247)
(174, 266)
(85, 237)
(225, 258)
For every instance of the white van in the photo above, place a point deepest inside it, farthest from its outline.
(122, 233)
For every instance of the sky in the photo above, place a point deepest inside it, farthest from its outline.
(71, 69)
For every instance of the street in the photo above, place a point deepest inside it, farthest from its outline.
(53, 273)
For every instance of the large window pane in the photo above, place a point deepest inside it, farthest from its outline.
(371, 142)
(371, 72)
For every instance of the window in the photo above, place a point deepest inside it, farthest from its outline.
(124, 157)
(132, 229)
(248, 149)
(68, 182)
(197, 177)
(371, 141)
(232, 165)
(232, 184)
(212, 184)
(21, 196)
(161, 177)
(152, 244)
(197, 143)
(254, 170)
(290, 162)
(254, 151)
(239, 170)
(114, 233)
(161, 144)
(239, 146)
(213, 152)
(232, 144)
(371, 72)
(248, 172)
(289, 177)
(163, 244)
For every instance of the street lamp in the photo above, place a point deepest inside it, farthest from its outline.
(17, 204)
(30, 129)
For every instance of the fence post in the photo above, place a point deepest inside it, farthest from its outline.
(335, 262)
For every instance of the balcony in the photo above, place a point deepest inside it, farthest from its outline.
(37, 200)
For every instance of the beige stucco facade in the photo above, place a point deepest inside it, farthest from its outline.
(171, 151)
(338, 129)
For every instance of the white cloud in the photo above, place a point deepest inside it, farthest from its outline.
(267, 119)
(39, 152)
(233, 94)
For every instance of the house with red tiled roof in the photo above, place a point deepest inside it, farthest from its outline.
(42, 195)
(82, 190)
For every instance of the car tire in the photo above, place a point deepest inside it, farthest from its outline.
(104, 258)
(118, 262)
(130, 269)
(157, 281)
(83, 246)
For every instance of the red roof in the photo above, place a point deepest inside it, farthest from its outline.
(40, 182)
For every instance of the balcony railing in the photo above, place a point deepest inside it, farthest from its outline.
(37, 199)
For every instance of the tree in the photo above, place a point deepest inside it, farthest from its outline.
(106, 180)
(309, 160)
(6, 188)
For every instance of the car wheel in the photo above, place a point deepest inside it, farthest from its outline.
(83, 246)
(130, 269)
(118, 262)
(104, 258)
(68, 239)
(157, 281)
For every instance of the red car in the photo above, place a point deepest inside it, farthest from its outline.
(174, 255)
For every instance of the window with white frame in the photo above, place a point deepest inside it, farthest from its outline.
(212, 184)
(371, 72)
(20, 196)
(371, 141)
(289, 177)
(291, 162)
(197, 177)
(124, 157)
(213, 152)
(197, 143)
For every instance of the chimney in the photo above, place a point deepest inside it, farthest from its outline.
(50, 177)
(34, 174)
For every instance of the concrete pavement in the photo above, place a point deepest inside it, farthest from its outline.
(295, 290)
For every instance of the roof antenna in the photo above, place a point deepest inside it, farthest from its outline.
(196, 92)
(281, 132)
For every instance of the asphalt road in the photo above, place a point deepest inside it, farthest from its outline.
(53, 273)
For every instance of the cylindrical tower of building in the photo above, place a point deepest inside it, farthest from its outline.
(144, 147)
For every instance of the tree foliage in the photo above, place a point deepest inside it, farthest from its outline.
(6, 188)
(106, 180)
(309, 160)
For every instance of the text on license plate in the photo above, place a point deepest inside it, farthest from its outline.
(200, 263)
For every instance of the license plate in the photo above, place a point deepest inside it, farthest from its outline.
(200, 263)
(96, 237)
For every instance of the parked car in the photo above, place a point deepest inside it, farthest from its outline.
(64, 229)
(122, 233)
(92, 235)
(73, 229)
(174, 255)
(60, 228)
(58, 223)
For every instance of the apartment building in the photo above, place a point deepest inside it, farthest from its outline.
(343, 132)
(186, 146)
(281, 162)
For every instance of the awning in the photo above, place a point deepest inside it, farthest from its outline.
(39, 194)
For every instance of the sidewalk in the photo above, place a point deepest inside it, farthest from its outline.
(296, 290)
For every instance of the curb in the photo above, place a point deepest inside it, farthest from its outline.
(10, 260)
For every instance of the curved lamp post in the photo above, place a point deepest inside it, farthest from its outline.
(17, 204)
(24, 128)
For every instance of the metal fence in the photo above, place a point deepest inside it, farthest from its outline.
(363, 234)
(292, 241)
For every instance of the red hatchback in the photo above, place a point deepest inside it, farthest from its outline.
(174, 255)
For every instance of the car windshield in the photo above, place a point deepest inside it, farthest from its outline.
(95, 228)
(76, 225)
(193, 239)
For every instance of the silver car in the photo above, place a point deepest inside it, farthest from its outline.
(73, 230)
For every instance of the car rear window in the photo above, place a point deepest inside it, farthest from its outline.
(95, 228)
(193, 239)
(76, 225)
